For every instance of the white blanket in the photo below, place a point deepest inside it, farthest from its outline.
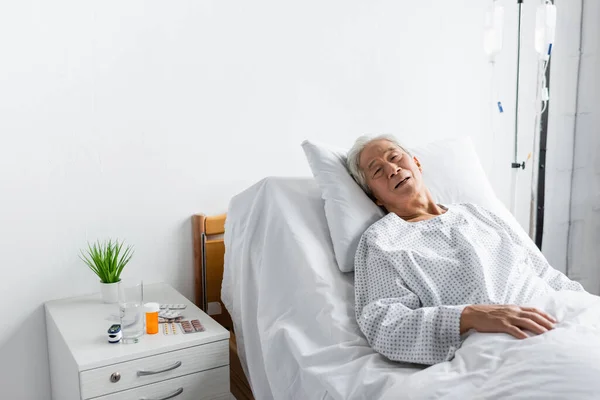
(292, 308)
(561, 364)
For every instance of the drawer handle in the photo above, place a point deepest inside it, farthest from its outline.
(169, 396)
(172, 367)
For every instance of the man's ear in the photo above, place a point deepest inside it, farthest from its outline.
(418, 163)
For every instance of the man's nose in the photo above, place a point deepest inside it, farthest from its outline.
(392, 169)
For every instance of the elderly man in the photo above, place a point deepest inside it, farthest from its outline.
(427, 273)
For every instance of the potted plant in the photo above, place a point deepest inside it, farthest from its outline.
(107, 260)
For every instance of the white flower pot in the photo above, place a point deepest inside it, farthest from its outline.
(110, 292)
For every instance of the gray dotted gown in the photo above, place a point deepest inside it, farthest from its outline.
(413, 279)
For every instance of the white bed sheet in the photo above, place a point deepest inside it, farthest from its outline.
(293, 312)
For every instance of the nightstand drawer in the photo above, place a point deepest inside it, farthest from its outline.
(147, 370)
(206, 385)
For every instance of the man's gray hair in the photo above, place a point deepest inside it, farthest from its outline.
(353, 158)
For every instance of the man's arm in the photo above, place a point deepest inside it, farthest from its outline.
(430, 335)
(509, 319)
(554, 278)
(391, 316)
(426, 335)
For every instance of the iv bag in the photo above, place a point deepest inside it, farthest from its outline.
(545, 29)
(492, 36)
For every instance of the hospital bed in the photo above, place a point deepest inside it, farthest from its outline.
(292, 309)
(272, 279)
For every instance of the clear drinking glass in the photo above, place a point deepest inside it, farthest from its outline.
(131, 307)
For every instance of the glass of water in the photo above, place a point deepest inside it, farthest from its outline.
(131, 307)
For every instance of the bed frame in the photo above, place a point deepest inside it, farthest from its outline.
(209, 254)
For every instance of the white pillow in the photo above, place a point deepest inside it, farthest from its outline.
(451, 171)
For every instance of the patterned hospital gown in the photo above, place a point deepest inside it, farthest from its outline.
(413, 279)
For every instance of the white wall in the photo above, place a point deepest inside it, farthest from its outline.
(122, 119)
(583, 251)
(561, 124)
(572, 229)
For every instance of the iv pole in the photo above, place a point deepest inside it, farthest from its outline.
(515, 165)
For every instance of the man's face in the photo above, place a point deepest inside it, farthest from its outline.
(393, 176)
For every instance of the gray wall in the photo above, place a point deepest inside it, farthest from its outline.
(572, 226)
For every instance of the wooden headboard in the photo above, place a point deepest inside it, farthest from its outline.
(209, 261)
(209, 251)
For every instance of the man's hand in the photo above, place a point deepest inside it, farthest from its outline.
(504, 318)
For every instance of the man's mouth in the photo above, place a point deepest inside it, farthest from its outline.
(402, 182)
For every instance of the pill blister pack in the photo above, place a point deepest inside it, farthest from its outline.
(170, 328)
(192, 326)
(169, 314)
(172, 306)
(162, 320)
(173, 328)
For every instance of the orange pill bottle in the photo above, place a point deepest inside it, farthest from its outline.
(152, 310)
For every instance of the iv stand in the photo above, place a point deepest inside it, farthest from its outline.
(515, 165)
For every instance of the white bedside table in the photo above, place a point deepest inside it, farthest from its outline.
(83, 365)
